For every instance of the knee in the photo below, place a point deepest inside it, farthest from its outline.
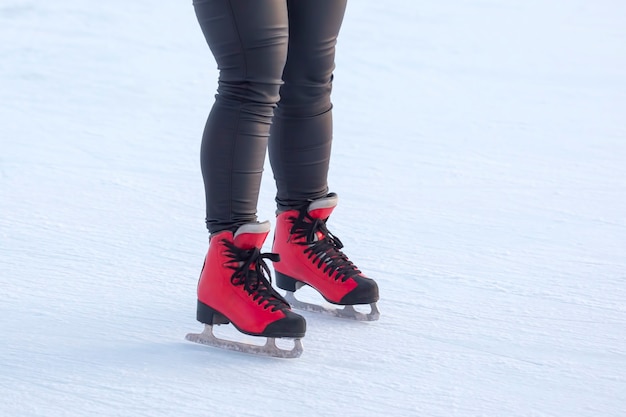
(253, 78)
(248, 92)
(307, 95)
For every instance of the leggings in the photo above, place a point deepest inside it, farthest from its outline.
(275, 60)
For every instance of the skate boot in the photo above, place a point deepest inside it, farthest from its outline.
(311, 255)
(233, 288)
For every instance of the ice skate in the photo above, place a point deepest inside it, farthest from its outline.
(233, 288)
(311, 255)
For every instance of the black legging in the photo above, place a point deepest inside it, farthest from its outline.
(275, 61)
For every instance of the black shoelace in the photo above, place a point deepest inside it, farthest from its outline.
(250, 271)
(326, 252)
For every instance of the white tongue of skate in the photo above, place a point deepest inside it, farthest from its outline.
(323, 208)
(251, 235)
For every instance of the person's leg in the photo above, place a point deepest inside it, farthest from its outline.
(301, 133)
(248, 39)
(300, 145)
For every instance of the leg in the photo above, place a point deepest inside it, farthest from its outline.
(301, 134)
(300, 152)
(248, 39)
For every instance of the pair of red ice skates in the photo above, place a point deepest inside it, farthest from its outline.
(234, 288)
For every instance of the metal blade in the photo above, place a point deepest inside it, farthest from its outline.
(348, 312)
(268, 349)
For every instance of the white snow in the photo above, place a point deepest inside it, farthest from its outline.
(479, 155)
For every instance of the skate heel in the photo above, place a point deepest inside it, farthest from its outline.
(207, 315)
(287, 283)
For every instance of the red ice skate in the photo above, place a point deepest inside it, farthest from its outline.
(311, 255)
(233, 288)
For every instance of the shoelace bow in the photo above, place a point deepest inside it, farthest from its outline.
(325, 251)
(251, 271)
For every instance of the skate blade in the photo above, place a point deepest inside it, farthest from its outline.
(348, 312)
(268, 349)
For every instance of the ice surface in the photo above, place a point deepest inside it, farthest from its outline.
(479, 155)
